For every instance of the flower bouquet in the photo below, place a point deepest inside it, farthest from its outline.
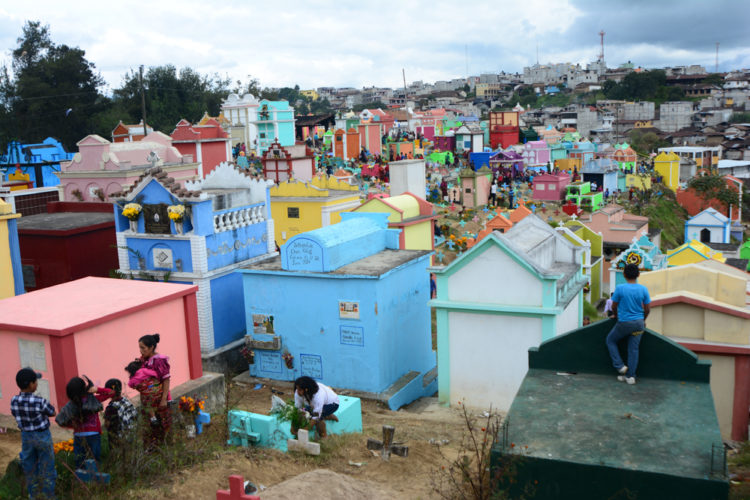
(191, 405)
(132, 211)
(176, 212)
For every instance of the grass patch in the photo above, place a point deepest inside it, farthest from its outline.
(663, 213)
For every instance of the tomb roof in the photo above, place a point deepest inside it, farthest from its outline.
(64, 221)
(373, 266)
(63, 309)
(157, 174)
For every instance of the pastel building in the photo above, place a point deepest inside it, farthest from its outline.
(370, 135)
(346, 144)
(408, 175)
(10, 255)
(593, 255)
(625, 157)
(92, 326)
(643, 253)
(550, 187)
(584, 151)
(703, 308)
(275, 124)
(227, 224)
(298, 207)
(709, 226)
(130, 133)
(411, 214)
(281, 163)
(475, 187)
(208, 144)
(349, 309)
(667, 165)
(241, 112)
(536, 155)
(101, 168)
(504, 129)
(692, 252)
(602, 171)
(469, 138)
(507, 293)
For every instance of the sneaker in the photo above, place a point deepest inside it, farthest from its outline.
(623, 370)
(629, 380)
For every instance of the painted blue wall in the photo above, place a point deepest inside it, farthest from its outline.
(15, 257)
(49, 150)
(390, 338)
(180, 250)
(229, 319)
(481, 159)
(231, 247)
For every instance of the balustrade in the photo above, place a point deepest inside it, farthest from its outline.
(241, 217)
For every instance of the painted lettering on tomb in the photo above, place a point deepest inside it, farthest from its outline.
(311, 365)
(352, 335)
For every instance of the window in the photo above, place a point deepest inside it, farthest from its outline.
(292, 212)
(540, 187)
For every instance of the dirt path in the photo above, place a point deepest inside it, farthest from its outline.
(408, 478)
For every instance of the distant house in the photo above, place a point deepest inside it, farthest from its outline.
(709, 226)
(130, 133)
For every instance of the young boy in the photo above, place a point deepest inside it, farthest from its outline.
(32, 413)
(630, 307)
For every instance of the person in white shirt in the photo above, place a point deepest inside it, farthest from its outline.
(317, 399)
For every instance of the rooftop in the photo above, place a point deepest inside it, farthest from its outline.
(64, 221)
(63, 309)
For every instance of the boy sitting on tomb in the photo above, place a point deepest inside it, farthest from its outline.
(630, 307)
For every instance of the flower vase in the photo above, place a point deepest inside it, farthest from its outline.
(190, 429)
(133, 225)
(178, 227)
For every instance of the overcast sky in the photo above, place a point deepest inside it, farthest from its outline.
(362, 43)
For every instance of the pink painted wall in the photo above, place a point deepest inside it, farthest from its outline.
(303, 169)
(213, 153)
(120, 337)
(12, 363)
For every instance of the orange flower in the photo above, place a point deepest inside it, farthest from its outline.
(483, 429)
(512, 445)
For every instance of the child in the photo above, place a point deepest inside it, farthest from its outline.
(119, 417)
(32, 414)
(143, 380)
(630, 307)
(82, 415)
(318, 399)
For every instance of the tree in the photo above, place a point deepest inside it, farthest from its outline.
(645, 142)
(714, 186)
(53, 90)
(170, 96)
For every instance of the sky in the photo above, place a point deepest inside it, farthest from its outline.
(368, 43)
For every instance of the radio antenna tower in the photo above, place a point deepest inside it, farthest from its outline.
(601, 54)
(717, 58)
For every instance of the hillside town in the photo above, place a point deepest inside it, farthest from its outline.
(492, 286)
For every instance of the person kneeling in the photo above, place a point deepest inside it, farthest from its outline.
(317, 399)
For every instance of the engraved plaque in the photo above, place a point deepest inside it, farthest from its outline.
(156, 219)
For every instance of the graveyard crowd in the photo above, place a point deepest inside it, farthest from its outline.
(148, 374)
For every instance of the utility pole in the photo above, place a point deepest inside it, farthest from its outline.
(403, 73)
(143, 103)
(717, 58)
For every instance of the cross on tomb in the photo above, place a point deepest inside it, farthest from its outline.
(236, 490)
(202, 418)
(440, 256)
(475, 218)
(451, 245)
(485, 210)
(303, 443)
(387, 446)
(462, 223)
(90, 473)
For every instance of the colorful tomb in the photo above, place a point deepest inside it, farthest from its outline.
(91, 326)
(226, 224)
(349, 309)
(10, 254)
(409, 213)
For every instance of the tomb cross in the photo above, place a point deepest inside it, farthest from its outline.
(236, 490)
(153, 158)
(200, 419)
(574, 216)
(440, 256)
(303, 443)
(387, 446)
(451, 245)
(90, 472)
(462, 223)
(475, 218)
(485, 209)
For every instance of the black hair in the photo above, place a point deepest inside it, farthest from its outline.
(631, 272)
(308, 385)
(77, 389)
(115, 385)
(133, 367)
(150, 340)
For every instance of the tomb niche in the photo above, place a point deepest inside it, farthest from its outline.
(156, 218)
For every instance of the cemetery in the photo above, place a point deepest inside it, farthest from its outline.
(429, 272)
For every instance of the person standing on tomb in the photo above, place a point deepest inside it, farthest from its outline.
(630, 306)
(156, 398)
(493, 193)
(318, 400)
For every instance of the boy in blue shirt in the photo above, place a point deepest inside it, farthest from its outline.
(630, 305)
(32, 414)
